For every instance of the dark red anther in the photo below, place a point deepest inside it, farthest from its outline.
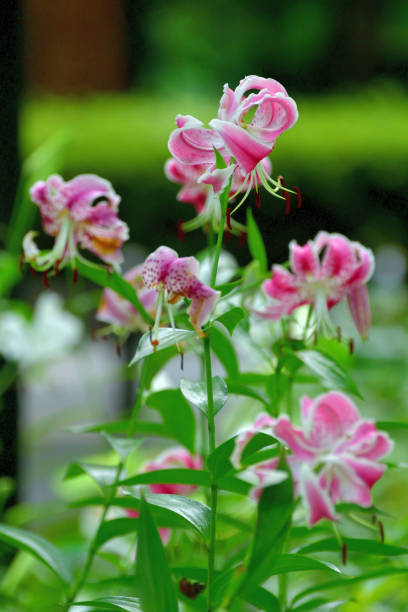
(180, 230)
(344, 553)
(338, 333)
(299, 197)
(257, 198)
(286, 194)
(21, 261)
(117, 347)
(381, 531)
(45, 280)
(242, 238)
(227, 236)
(75, 275)
(155, 343)
(351, 346)
(56, 267)
(32, 271)
(228, 217)
(181, 360)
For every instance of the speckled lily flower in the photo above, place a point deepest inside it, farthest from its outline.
(334, 454)
(246, 129)
(175, 277)
(84, 212)
(323, 272)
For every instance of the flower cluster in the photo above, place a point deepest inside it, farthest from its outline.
(244, 134)
(334, 454)
(323, 272)
(177, 457)
(175, 277)
(83, 211)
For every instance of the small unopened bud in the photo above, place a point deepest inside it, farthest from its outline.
(344, 553)
(298, 196)
(228, 217)
(45, 280)
(180, 230)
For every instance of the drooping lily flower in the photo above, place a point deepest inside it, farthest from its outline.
(120, 313)
(175, 277)
(82, 211)
(334, 454)
(246, 129)
(323, 272)
(177, 457)
(201, 183)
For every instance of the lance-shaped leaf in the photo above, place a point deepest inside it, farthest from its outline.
(371, 547)
(40, 548)
(146, 428)
(103, 475)
(219, 460)
(255, 242)
(166, 336)
(231, 318)
(128, 604)
(177, 415)
(153, 576)
(195, 392)
(224, 351)
(331, 374)
(122, 446)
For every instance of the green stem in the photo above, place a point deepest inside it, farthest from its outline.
(93, 547)
(217, 254)
(214, 489)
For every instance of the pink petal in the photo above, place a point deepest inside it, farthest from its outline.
(81, 191)
(156, 266)
(203, 300)
(256, 82)
(246, 150)
(330, 418)
(218, 178)
(345, 484)
(179, 274)
(174, 458)
(315, 498)
(366, 441)
(359, 305)
(306, 404)
(282, 285)
(274, 115)
(193, 144)
(105, 242)
(294, 438)
(368, 471)
(228, 104)
(338, 260)
(303, 260)
(364, 268)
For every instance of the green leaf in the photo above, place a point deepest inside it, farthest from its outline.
(178, 417)
(261, 599)
(259, 441)
(220, 162)
(153, 576)
(122, 446)
(237, 388)
(273, 521)
(9, 272)
(231, 318)
(128, 604)
(371, 547)
(255, 242)
(299, 563)
(121, 427)
(116, 528)
(331, 374)
(224, 351)
(195, 392)
(103, 475)
(100, 275)
(219, 460)
(194, 513)
(166, 336)
(319, 603)
(157, 361)
(40, 548)
(391, 426)
(170, 476)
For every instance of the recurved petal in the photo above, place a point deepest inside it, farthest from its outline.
(274, 115)
(338, 260)
(179, 275)
(303, 260)
(156, 266)
(228, 104)
(255, 82)
(282, 285)
(203, 299)
(294, 438)
(359, 305)
(81, 192)
(218, 178)
(244, 148)
(315, 497)
(330, 418)
(193, 144)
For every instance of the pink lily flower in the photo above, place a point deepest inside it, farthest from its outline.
(323, 272)
(83, 211)
(172, 458)
(246, 129)
(120, 313)
(334, 454)
(197, 180)
(175, 277)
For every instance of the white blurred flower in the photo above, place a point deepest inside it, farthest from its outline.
(51, 333)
